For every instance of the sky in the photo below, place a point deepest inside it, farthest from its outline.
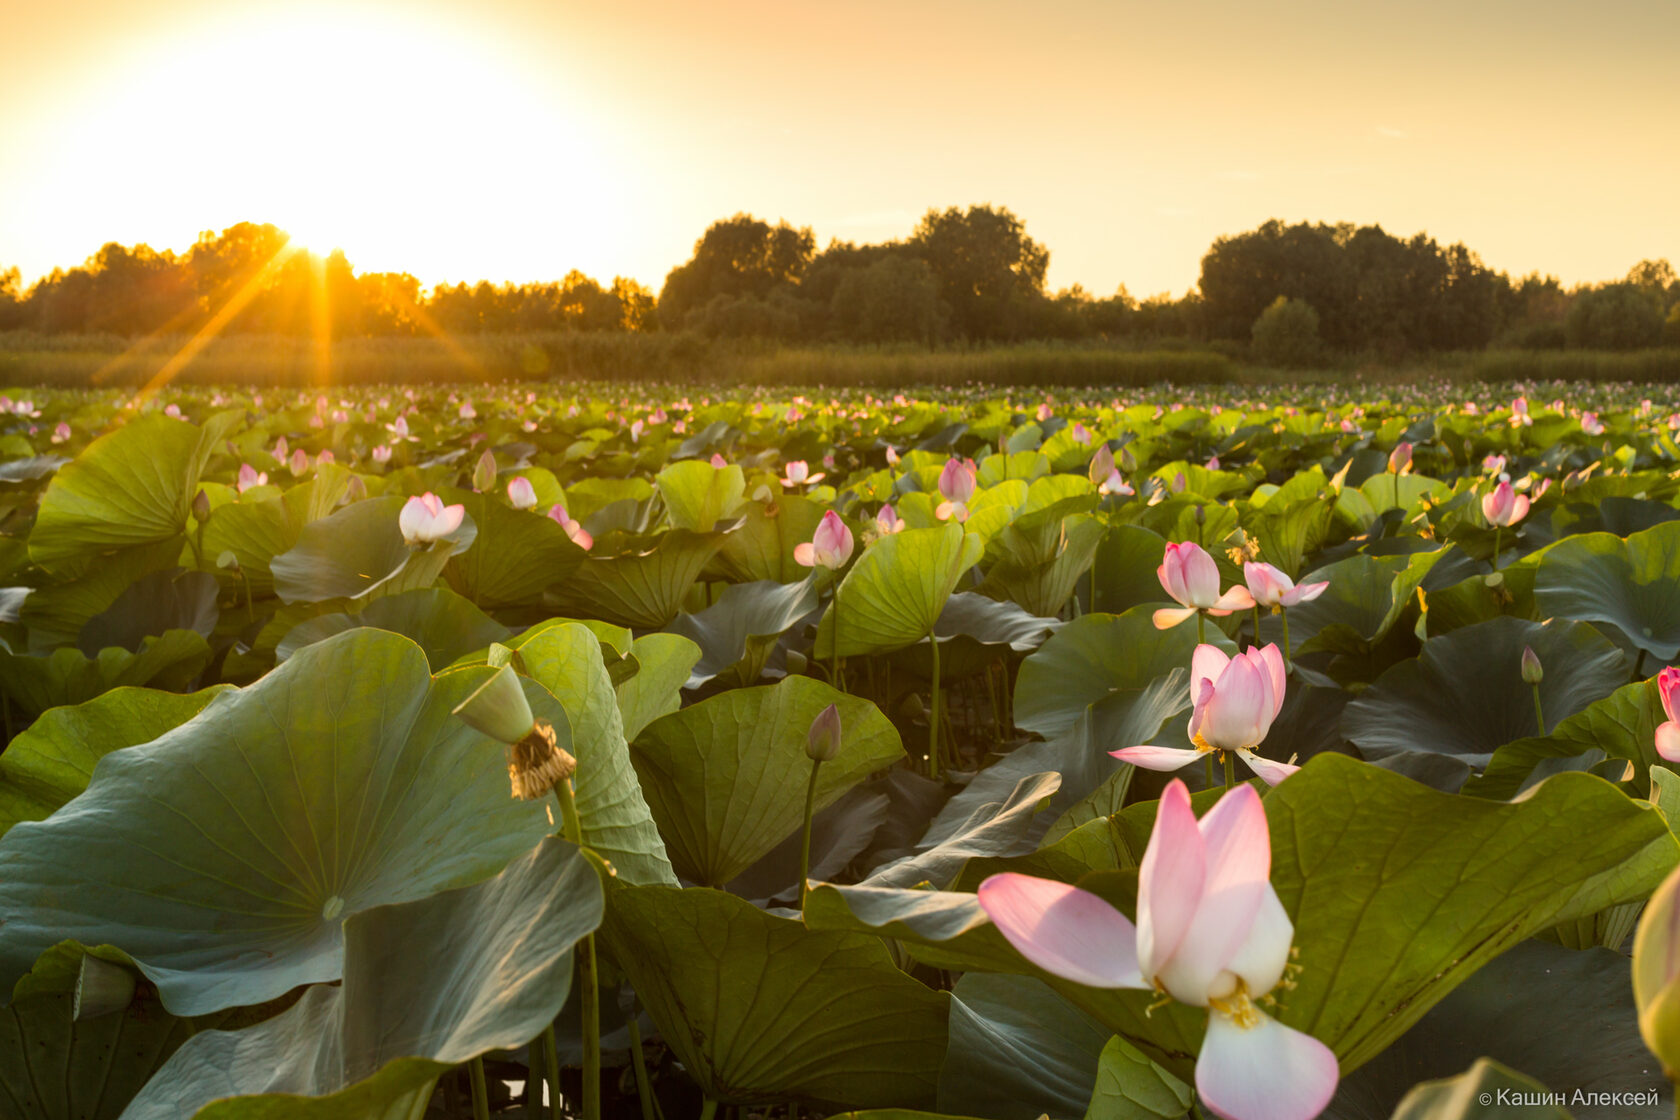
(518, 139)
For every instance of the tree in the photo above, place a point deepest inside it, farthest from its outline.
(896, 299)
(740, 256)
(1286, 334)
(990, 273)
(12, 312)
(1614, 317)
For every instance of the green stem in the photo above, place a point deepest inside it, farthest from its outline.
(591, 1028)
(644, 1086)
(1397, 493)
(245, 583)
(1539, 716)
(1498, 531)
(1230, 768)
(1209, 757)
(551, 1070)
(480, 1091)
(1287, 663)
(1200, 634)
(571, 825)
(1256, 642)
(1639, 667)
(709, 1110)
(933, 713)
(805, 837)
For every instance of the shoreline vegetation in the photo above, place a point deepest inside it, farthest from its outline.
(109, 361)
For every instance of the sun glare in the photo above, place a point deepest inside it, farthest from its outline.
(412, 146)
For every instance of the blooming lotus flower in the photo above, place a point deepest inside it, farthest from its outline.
(1191, 577)
(61, 433)
(426, 519)
(1236, 699)
(1080, 433)
(889, 520)
(1210, 932)
(636, 431)
(1494, 464)
(829, 547)
(580, 536)
(249, 476)
(798, 473)
(521, 494)
(1042, 413)
(1591, 425)
(467, 412)
(957, 481)
(173, 411)
(382, 454)
(1519, 413)
(1503, 506)
(1668, 733)
(1269, 587)
(399, 430)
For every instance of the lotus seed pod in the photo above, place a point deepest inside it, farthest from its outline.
(101, 988)
(498, 708)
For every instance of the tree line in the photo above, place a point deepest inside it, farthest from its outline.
(963, 276)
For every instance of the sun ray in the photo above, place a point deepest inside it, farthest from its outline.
(320, 319)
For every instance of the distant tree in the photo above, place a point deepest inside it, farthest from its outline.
(1286, 334)
(637, 309)
(990, 273)
(389, 301)
(1614, 317)
(1671, 327)
(896, 299)
(1654, 276)
(12, 310)
(740, 256)
(1243, 274)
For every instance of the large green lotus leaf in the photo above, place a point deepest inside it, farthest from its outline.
(172, 660)
(516, 555)
(338, 782)
(894, 593)
(255, 532)
(56, 1067)
(973, 825)
(1018, 1049)
(1123, 571)
(1485, 1091)
(1366, 597)
(759, 1008)
(439, 621)
(427, 986)
(360, 551)
(726, 777)
(1632, 584)
(974, 631)
(52, 761)
(762, 546)
(1130, 1085)
(698, 495)
(56, 614)
(664, 664)
(1622, 725)
(1091, 659)
(154, 604)
(642, 590)
(129, 487)
(737, 633)
(1510, 1011)
(1398, 894)
(1037, 560)
(1464, 695)
(567, 660)
(1477, 598)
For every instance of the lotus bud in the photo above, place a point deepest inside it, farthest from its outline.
(1102, 465)
(484, 472)
(521, 493)
(1656, 967)
(823, 742)
(101, 988)
(797, 663)
(201, 507)
(1400, 458)
(1201, 515)
(354, 491)
(425, 519)
(498, 708)
(1128, 460)
(1531, 670)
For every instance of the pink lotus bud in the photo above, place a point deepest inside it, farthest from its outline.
(719, 462)
(382, 454)
(521, 493)
(61, 433)
(300, 462)
(1590, 424)
(829, 547)
(249, 476)
(484, 472)
(466, 411)
(1668, 734)
(425, 519)
(957, 480)
(579, 535)
(1400, 458)
(1504, 506)
(1532, 673)
(1102, 465)
(889, 520)
(822, 742)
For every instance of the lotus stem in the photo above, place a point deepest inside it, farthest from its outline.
(1287, 654)
(709, 1110)
(1397, 495)
(644, 1086)
(933, 713)
(1638, 672)
(805, 837)
(1209, 769)
(480, 1091)
(572, 829)
(1256, 643)
(1230, 768)
(1498, 531)
(1201, 635)
(1539, 716)
(551, 1071)
(535, 1079)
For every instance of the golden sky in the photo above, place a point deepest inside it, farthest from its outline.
(516, 139)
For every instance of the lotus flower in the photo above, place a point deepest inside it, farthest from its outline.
(1269, 587)
(1236, 699)
(382, 453)
(718, 461)
(249, 476)
(1591, 424)
(61, 432)
(1503, 506)
(300, 462)
(1102, 465)
(521, 493)
(1190, 576)
(399, 430)
(426, 519)
(1668, 734)
(1210, 932)
(1519, 413)
(798, 473)
(829, 547)
(1400, 459)
(580, 536)
(956, 485)
(467, 412)
(889, 521)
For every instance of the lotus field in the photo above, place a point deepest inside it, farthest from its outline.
(521, 751)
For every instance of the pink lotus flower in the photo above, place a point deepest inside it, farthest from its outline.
(399, 430)
(1504, 506)
(281, 454)
(467, 412)
(1668, 734)
(1191, 577)
(382, 454)
(888, 520)
(521, 494)
(249, 476)
(1269, 587)
(1519, 413)
(425, 519)
(1494, 464)
(1080, 433)
(61, 433)
(1210, 932)
(798, 473)
(1042, 413)
(957, 482)
(829, 547)
(719, 461)
(892, 456)
(636, 431)
(1236, 699)
(300, 462)
(1400, 459)
(1591, 425)
(580, 536)
(1102, 466)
